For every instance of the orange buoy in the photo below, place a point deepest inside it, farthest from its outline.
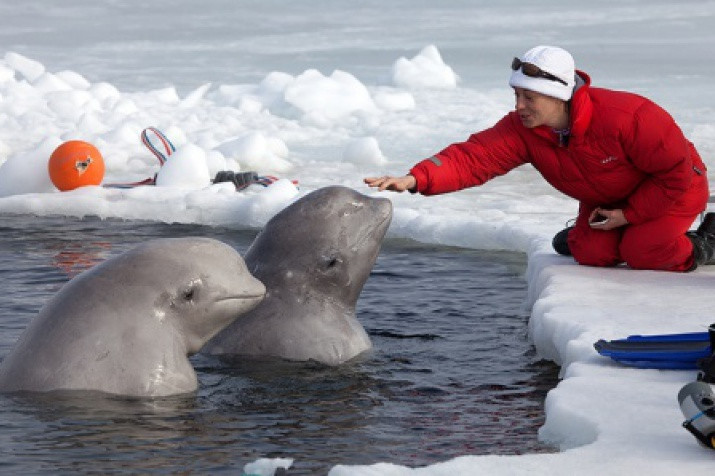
(75, 164)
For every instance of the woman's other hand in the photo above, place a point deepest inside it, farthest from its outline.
(613, 219)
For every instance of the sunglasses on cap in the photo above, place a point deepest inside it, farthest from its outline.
(534, 71)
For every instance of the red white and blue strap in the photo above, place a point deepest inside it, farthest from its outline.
(267, 180)
(158, 144)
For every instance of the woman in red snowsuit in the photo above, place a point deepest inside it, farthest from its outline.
(639, 181)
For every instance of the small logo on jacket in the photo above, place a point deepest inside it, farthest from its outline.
(608, 159)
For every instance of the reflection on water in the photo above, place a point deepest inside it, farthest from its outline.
(452, 372)
(73, 258)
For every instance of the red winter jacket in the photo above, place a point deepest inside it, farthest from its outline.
(624, 152)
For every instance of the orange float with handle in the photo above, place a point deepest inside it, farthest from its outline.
(75, 164)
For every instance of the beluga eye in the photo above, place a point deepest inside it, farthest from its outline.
(188, 295)
(332, 260)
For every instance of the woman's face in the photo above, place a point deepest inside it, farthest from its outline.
(536, 109)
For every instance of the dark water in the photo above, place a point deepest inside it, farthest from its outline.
(452, 372)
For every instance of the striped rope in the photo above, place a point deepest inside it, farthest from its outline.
(165, 148)
(149, 181)
(267, 180)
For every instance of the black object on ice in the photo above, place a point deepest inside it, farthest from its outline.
(240, 179)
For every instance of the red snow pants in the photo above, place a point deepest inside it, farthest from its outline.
(659, 244)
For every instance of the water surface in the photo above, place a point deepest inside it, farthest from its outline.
(452, 372)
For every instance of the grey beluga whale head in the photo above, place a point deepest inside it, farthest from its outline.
(128, 325)
(314, 258)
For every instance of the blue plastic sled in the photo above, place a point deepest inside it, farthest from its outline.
(668, 351)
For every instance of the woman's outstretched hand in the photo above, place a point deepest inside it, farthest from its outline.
(395, 184)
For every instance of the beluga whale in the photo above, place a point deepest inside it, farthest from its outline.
(314, 257)
(128, 325)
